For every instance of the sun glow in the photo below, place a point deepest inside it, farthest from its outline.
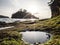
(32, 8)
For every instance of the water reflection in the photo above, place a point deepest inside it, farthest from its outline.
(35, 36)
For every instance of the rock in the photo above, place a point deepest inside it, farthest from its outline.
(1, 16)
(23, 14)
(55, 7)
(2, 24)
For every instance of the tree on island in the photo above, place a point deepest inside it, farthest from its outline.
(23, 14)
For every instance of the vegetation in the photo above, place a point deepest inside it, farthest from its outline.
(12, 36)
(9, 38)
(55, 7)
(1, 16)
(23, 14)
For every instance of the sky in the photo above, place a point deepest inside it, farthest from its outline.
(39, 8)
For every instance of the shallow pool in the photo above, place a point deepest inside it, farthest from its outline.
(35, 36)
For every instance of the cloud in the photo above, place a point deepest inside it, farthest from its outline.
(8, 7)
(6, 3)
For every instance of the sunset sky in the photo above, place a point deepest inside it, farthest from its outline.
(39, 8)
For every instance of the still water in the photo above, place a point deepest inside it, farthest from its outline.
(11, 20)
(35, 37)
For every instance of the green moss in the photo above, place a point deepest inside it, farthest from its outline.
(14, 38)
(54, 41)
(10, 43)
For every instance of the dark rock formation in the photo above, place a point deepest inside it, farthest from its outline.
(2, 24)
(55, 7)
(23, 14)
(1, 16)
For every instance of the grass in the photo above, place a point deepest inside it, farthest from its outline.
(12, 36)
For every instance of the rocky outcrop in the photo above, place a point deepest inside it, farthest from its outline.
(55, 7)
(2, 24)
(23, 14)
(1, 16)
